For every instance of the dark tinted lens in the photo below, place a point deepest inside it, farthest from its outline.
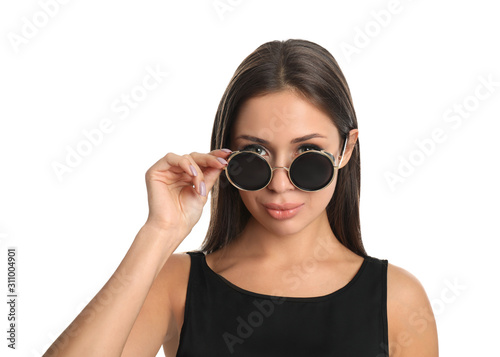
(249, 171)
(311, 171)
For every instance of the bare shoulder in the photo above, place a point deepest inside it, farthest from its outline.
(177, 263)
(173, 275)
(411, 322)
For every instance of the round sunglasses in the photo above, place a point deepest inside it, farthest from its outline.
(311, 171)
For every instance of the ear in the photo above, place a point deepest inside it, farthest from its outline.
(352, 138)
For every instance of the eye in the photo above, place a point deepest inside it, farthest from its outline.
(310, 147)
(253, 148)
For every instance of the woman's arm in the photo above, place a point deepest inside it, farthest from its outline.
(103, 326)
(411, 322)
(162, 315)
(177, 189)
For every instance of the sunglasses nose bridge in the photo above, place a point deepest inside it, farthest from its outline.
(280, 167)
(273, 178)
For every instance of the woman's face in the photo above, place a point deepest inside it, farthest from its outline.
(279, 119)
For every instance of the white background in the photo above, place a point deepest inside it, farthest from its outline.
(409, 72)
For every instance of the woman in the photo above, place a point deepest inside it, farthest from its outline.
(282, 270)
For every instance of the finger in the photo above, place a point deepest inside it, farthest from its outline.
(212, 166)
(196, 173)
(221, 152)
(171, 162)
(214, 159)
(208, 167)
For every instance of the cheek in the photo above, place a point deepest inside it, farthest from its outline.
(250, 200)
(319, 200)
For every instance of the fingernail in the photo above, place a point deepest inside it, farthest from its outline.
(203, 189)
(193, 170)
(222, 161)
(226, 150)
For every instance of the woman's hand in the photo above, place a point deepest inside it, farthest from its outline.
(174, 208)
(172, 200)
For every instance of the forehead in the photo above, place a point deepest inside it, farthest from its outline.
(279, 117)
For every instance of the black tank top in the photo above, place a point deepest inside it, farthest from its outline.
(221, 319)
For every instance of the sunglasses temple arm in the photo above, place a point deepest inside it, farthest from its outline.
(342, 157)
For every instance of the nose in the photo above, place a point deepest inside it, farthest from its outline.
(280, 181)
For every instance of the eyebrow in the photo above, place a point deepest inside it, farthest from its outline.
(294, 141)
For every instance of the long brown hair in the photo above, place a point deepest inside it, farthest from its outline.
(310, 70)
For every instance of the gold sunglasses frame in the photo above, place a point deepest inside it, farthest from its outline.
(323, 152)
